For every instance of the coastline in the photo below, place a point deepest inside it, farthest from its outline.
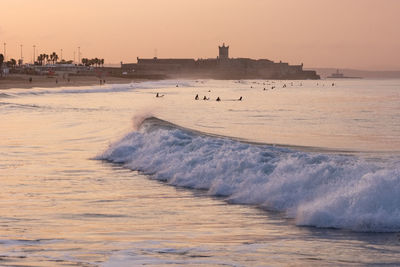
(21, 81)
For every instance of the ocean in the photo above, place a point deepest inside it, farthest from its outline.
(299, 173)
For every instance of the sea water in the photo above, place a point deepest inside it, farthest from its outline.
(296, 173)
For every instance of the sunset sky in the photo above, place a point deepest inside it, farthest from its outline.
(361, 34)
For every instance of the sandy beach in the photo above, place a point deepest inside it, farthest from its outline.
(22, 81)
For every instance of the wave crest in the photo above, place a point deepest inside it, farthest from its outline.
(315, 189)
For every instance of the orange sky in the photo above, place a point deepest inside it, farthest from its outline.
(360, 34)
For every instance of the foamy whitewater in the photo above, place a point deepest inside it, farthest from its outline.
(296, 173)
(315, 189)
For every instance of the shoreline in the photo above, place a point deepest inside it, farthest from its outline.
(21, 81)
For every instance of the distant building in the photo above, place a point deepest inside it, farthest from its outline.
(223, 52)
(57, 68)
(4, 70)
(221, 67)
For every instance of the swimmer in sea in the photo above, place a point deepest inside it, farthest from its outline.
(196, 97)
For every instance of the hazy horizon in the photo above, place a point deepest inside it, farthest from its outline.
(356, 34)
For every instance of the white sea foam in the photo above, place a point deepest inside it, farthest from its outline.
(316, 189)
(108, 88)
(75, 90)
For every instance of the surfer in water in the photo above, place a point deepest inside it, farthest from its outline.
(196, 97)
(158, 95)
(218, 99)
(240, 99)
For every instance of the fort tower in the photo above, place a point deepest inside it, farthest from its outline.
(223, 52)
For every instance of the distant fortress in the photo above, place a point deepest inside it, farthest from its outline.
(221, 67)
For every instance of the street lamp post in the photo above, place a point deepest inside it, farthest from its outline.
(79, 55)
(22, 59)
(34, 48)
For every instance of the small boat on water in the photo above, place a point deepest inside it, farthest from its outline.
(338, 75)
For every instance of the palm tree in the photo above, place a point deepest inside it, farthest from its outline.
(55, 57)
(85, 61)
(41, 59)
(13, 63)
(102, 62)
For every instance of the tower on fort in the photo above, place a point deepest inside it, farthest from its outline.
(223, 51)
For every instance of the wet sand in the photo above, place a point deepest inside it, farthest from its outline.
(22, 81)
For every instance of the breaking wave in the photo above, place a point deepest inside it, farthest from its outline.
(4, 95)
(316, 189)
(109, 88)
